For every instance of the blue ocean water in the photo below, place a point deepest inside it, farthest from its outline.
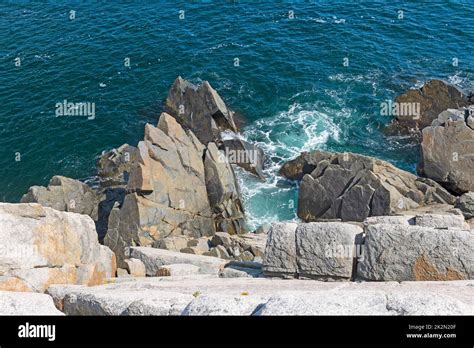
(290, 86)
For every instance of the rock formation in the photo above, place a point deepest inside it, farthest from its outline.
(434, 97)
(385, 248)
(43, 246)
(176, 187)
(200, 109)
(352, 187)
(447, 150)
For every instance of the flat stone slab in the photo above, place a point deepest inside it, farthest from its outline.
(154, 259)
(26, 303)
(209, 295)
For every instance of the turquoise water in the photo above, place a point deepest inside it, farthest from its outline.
(291, 87)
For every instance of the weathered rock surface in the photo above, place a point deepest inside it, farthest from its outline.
(465, 203)
(324, 250)
(201, 295)
(200, 109)
(280, 251)
(175, 192)
(433, 98)
(224, 193)
(399, 252)
(352, 187)
(168, 196)
(178, 269)
(447, 150)
(64, 194)
(44, 246)
(327, 250)
(154, 259)
(21, 303)
(245, 155)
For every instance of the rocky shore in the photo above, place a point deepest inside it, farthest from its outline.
(165, 231)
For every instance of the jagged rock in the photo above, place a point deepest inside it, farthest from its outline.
(168, 188)
(433, 98)
(245, 155)
(115, 165)
(399, 252)
(447, 148)
(280, 251)
(218, 251)
(46, 246)
(352, 187)
(200, 109)
(179, 269)
(199, 245)
(64, 194)
(135, 267)
(224, 193)
(21, 303)
(221, 238)
(156, 258)
(466, 204)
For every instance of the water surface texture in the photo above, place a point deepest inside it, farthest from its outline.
(290, 86)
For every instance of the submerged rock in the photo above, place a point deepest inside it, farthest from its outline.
(447, 149)
(352, 187)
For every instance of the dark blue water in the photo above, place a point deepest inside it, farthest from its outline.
(291, 86)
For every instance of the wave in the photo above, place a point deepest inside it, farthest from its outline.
(303, 127)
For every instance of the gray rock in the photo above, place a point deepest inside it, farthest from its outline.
(434, 97)
(223, 305)
(114, 166)
(64, 194)
(200, 109)
(446, 155)
(280, 251)
(398, 252)
(327, 250)
(178, 269)
(425, 303)
(245, 155)
(26, 303)
(224, 192)
(441, 221)
(218, 251)
(327, 303)
(352, 187)
(466, 204)
(154, 259)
